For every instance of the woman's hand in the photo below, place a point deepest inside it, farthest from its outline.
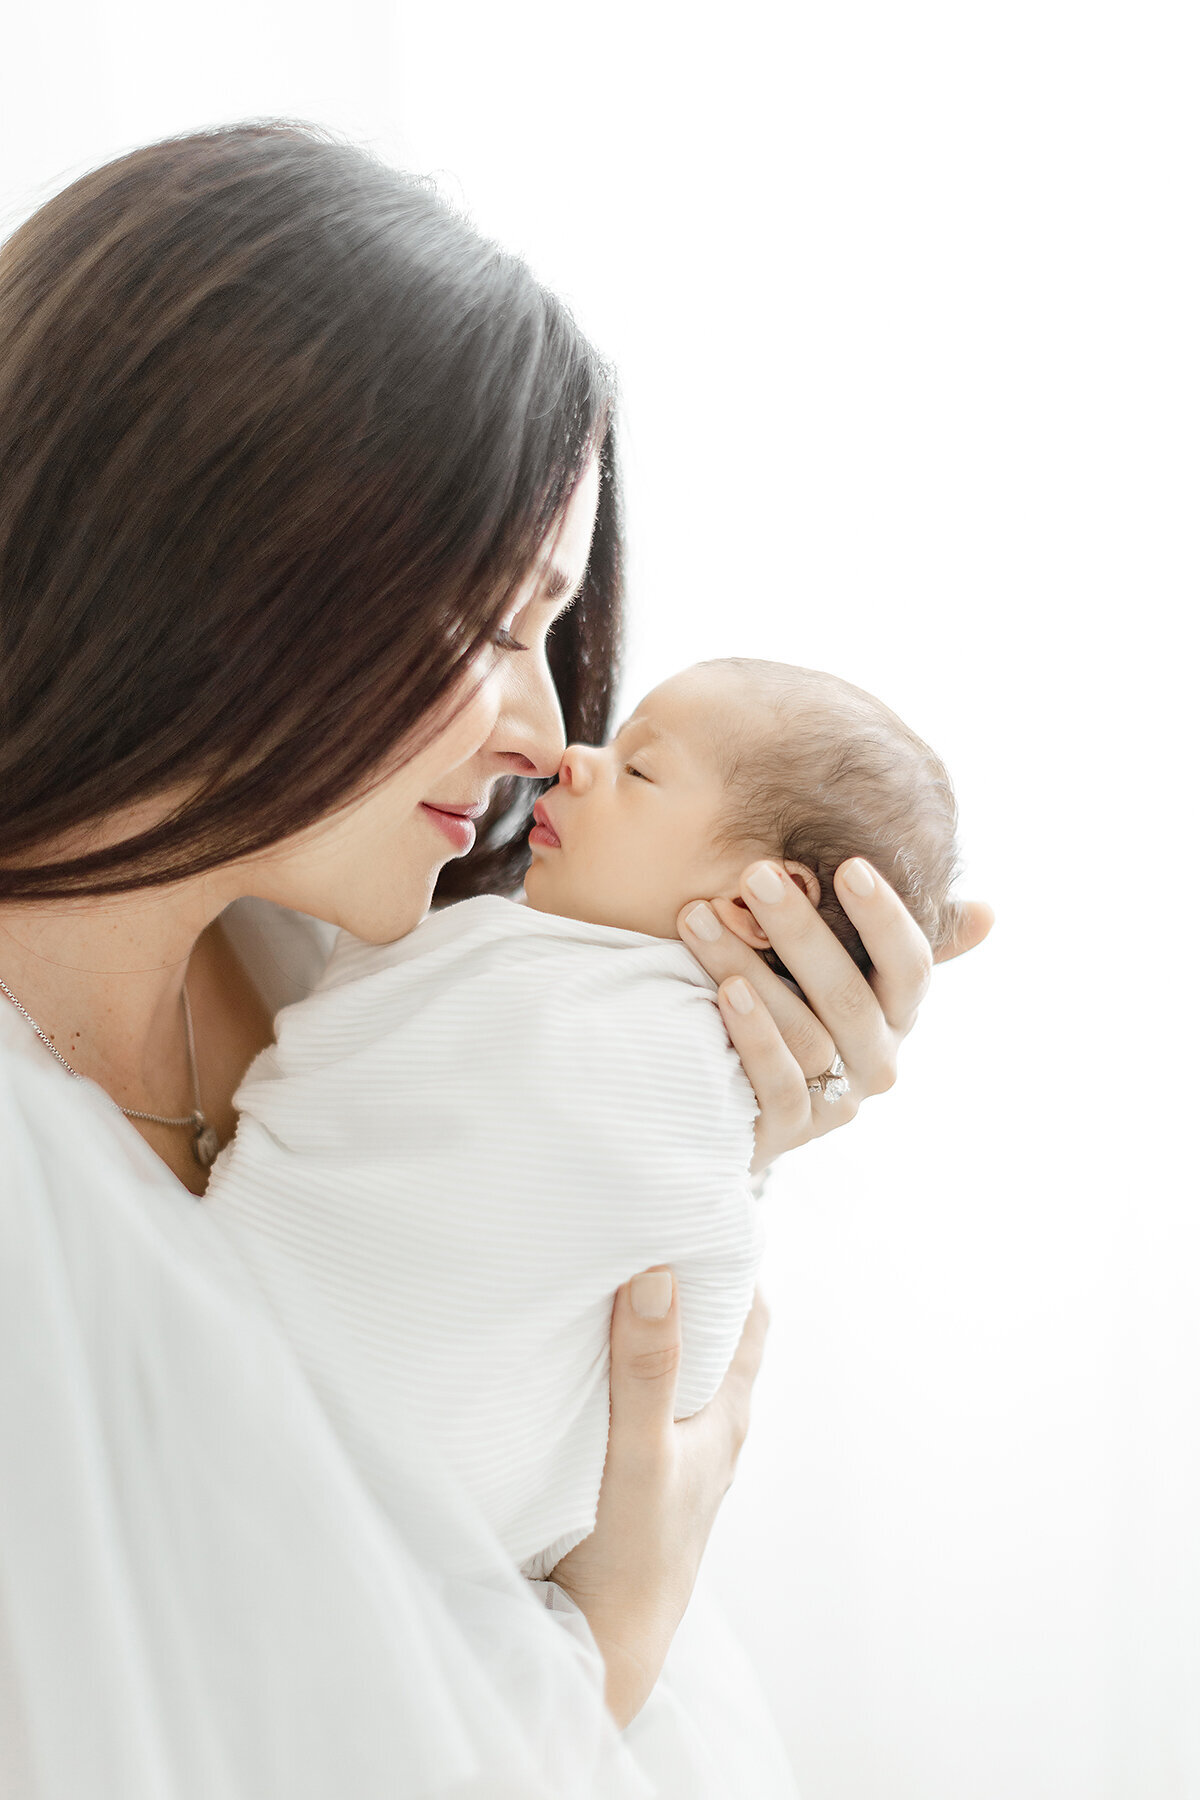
(663, 1482)
(783, 1043)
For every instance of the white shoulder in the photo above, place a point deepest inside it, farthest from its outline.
(636, 1043)
(47, 1119)
(611, 1045)
(96, 1232)
(491, 1018)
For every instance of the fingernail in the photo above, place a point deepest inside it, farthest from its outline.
(650, 1294)
(739, 995)
(702, 922)
(858, 878)
(764, 883)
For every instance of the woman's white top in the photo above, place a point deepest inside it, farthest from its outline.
(200, 1597)
(458, 1148)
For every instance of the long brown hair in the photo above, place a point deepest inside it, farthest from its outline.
(281, 435)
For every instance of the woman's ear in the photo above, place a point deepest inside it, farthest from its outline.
(736, 916)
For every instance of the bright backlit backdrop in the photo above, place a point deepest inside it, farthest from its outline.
(903, 300)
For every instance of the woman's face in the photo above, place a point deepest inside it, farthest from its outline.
(371, 868)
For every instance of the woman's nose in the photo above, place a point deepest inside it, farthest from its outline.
(530, 724)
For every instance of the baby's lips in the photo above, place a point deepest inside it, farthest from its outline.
(542, 817)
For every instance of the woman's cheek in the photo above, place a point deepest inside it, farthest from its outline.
(471, 730)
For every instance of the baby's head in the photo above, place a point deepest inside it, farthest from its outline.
(736, 759)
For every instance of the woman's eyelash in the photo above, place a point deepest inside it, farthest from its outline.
(630, 770)
(505, 640)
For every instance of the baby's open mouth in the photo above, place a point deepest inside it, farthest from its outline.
(543, 831)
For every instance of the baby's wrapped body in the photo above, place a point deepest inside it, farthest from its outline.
(459, 1147)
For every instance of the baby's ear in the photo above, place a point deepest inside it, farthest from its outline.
(806, 878)
(736, 916)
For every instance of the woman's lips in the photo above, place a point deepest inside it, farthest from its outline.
(543, 831)
(461, 832)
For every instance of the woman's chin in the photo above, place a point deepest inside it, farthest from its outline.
(384, 919)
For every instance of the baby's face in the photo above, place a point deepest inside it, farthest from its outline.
(634, 817)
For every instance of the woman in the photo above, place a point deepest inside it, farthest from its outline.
(298, 477)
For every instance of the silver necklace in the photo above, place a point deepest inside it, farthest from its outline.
(205, 1142)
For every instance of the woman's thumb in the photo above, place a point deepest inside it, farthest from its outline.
(646, 1348)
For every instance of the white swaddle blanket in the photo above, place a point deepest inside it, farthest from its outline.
(458, 1148)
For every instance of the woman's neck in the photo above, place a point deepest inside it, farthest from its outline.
(104, 980)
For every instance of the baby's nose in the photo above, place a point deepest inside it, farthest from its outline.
(571, 766)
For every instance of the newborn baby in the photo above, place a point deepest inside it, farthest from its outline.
(735, 759)
(463, 1142)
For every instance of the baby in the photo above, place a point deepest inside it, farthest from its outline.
(462, 1143)
(735, 759)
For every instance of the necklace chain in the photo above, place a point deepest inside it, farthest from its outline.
(205, 1142)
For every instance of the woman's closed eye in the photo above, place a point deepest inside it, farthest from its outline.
(504, 639)
(630, 770)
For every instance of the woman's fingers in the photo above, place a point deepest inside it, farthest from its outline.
(783, 1042)
(779, 1082)
(646, 1352)
(898, 948)
(864, 1018)
(646, 1348)
(972, 920)
(843, 1015)
(796, 1027)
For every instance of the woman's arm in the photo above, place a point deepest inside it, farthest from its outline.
(782, 1043)
(663, 1482)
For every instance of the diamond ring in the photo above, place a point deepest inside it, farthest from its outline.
(832, 1085)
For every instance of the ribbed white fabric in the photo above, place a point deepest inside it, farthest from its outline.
(199, 1599)
(460, 1145)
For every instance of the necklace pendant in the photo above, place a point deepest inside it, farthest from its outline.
(206, 1144)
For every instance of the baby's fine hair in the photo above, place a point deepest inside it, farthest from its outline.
(821, 771)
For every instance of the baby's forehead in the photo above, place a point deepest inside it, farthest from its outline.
(695, 709)
(707, 717)
(728, 715)
(708, 709)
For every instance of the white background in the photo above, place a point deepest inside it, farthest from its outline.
(904, 302)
